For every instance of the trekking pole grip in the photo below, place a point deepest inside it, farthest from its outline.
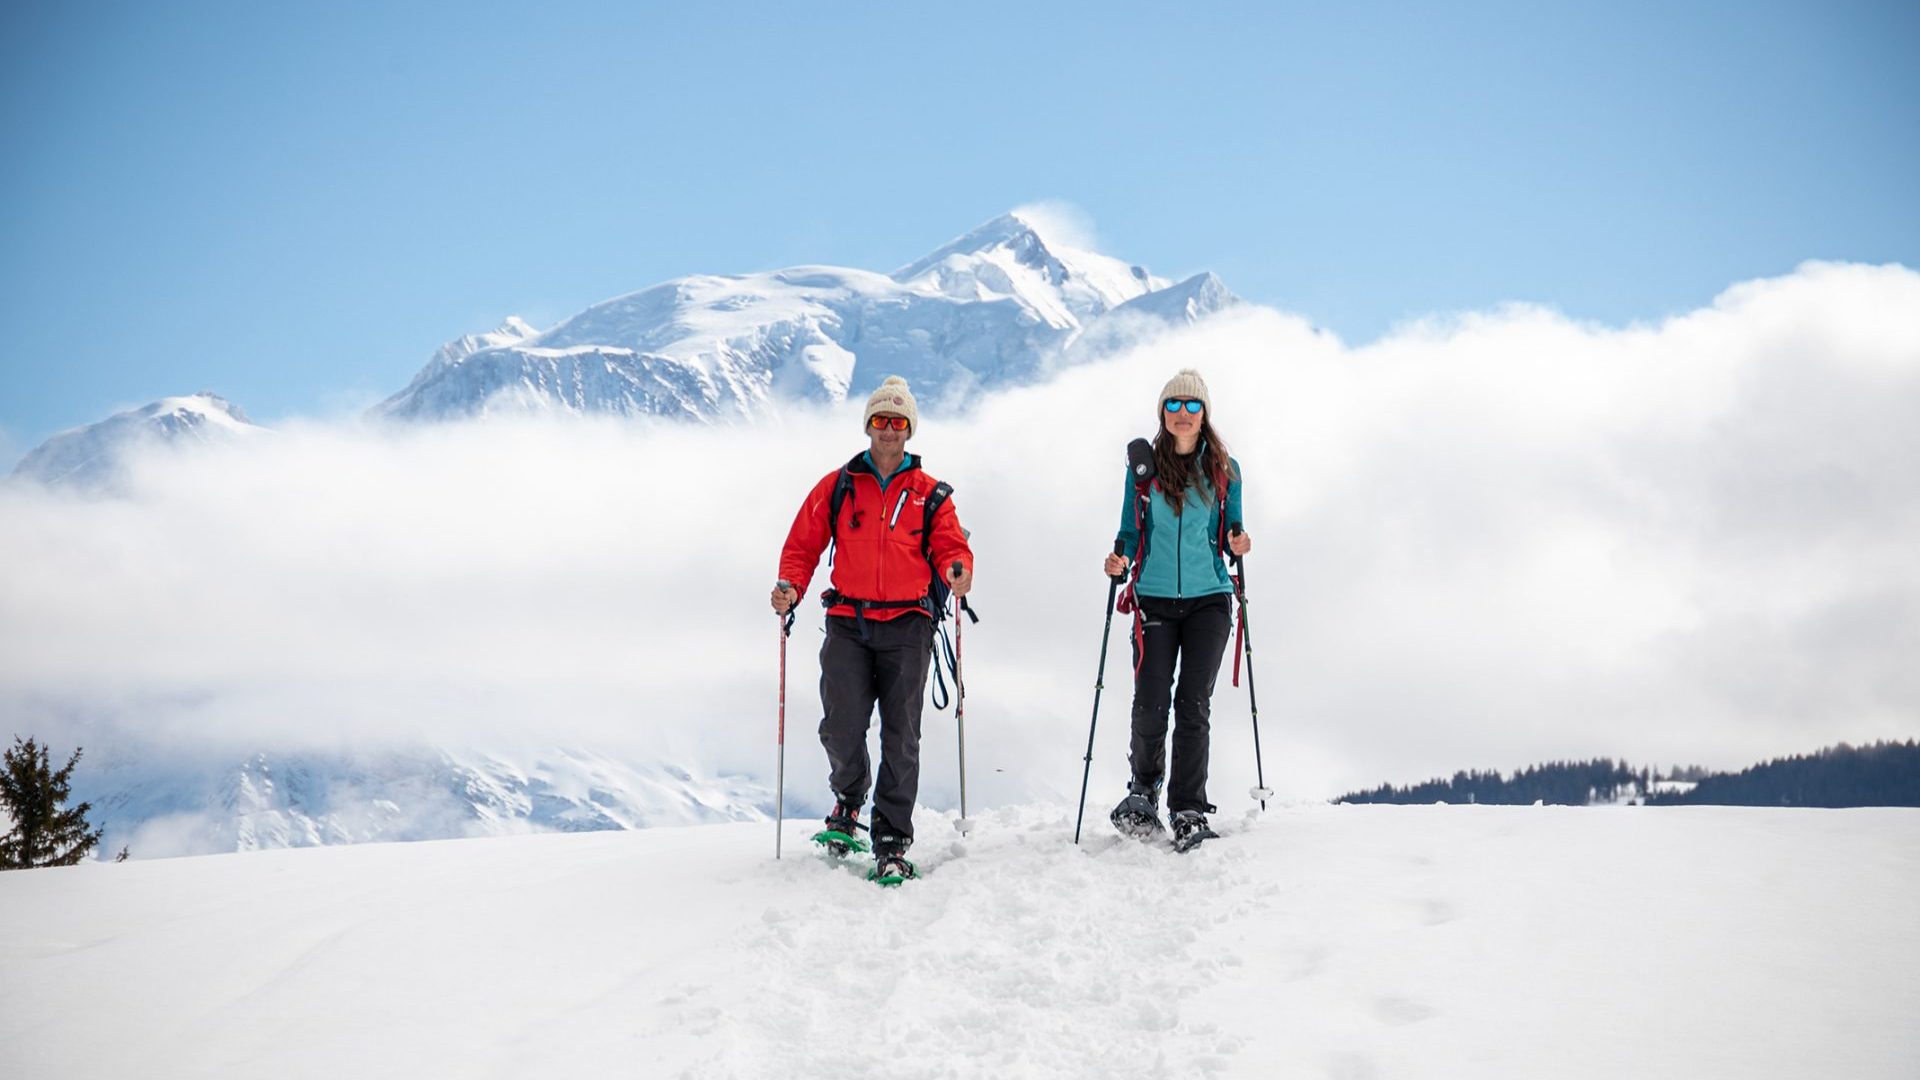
(953, 574)
(1120, 549)
(786, 618)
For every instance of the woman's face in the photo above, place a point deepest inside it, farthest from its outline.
(1181, 423)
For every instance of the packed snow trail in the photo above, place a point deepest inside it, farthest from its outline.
(1012, 952)
(1324, 942)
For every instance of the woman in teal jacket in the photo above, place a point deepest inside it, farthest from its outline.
(1183, 598)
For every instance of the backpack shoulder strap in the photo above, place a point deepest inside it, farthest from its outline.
(935, 499)
(1220, 531)
(842, 487)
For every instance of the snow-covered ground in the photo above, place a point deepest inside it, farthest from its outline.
(1312, 941)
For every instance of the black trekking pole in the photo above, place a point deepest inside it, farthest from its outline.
(1099, 683)
(1262, 792)
(965, 824)
(780, 783)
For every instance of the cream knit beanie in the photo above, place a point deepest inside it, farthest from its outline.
(892, 396)
(1187, 384)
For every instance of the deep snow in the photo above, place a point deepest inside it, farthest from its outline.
(1311, 941)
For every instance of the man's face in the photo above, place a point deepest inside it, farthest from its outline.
(891, 436)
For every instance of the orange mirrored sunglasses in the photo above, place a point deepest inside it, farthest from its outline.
(882, 423)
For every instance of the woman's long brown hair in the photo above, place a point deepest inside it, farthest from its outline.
(1177, 474)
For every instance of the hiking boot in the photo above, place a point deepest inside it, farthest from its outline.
(1138, 814)
(842, 833)
(892, 869)
(890, 864)
(844, 818)
(1189, 829)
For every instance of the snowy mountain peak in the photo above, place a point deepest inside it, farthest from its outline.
(92, 457)
(997, 306)
(1012, 256)
(1198, 296)
(1009, 232)
(511, 332)
(195, 410)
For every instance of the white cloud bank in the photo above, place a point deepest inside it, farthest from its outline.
(1481, 542)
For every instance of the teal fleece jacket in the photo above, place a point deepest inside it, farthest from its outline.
(1183, 550)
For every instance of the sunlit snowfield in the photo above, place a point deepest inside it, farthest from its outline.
(1314, 941)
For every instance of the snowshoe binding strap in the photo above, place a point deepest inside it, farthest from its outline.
(892, 868)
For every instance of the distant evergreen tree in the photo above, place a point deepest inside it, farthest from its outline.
(1884, 774)
(44, 833)
(1561, 783)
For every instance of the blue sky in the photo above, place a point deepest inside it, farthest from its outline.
(293, 205)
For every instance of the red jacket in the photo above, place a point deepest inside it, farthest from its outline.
(877, 548)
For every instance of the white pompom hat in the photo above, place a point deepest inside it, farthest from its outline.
(892, 396)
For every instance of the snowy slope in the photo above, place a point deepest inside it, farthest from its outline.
(1350, 942)
(93, 456)
(991, 308)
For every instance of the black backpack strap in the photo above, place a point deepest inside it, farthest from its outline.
(842, 487)
(1220, 531)
(937, 591)
(1142, 530)
(937, 588)
(936, 498)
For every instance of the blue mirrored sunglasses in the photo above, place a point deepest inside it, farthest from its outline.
(1192, 405)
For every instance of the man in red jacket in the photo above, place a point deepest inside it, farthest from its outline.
(879, 618)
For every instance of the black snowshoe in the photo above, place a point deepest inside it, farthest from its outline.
(1138, 815)
(1190, 828)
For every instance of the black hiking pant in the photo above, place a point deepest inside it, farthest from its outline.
(889, 668)
(1195, 633)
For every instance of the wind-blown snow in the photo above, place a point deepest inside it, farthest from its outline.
(1352, 942)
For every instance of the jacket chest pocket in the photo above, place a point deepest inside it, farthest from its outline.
(904, 516)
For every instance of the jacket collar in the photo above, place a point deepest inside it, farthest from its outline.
(861, 464)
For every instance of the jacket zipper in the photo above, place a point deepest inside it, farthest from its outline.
(1179, 549)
